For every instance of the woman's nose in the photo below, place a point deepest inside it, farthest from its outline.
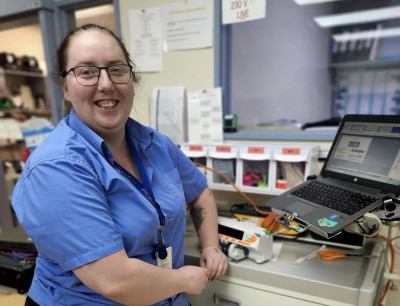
(104, 80)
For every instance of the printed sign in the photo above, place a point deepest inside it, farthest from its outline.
(256, 150)
(234, 11)
(195, 148)
(226, 149)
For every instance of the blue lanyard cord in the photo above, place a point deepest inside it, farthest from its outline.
(145, 187)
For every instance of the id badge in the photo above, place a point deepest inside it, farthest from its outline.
(167, 262)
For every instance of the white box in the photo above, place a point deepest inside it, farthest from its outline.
(223, 158)
(291, 165)
(254, 168)
(198, 153)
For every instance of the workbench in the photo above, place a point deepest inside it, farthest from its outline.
(344, 281)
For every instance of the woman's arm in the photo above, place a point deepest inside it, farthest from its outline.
(131, 281)
(203, 211)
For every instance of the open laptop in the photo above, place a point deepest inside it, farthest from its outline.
(364, 158)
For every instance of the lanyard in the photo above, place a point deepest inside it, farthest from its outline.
(146, 190)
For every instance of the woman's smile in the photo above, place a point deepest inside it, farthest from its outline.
(106, 104)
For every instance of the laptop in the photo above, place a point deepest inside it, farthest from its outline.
(362, 167)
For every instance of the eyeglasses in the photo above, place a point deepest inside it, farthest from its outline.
(90, 75)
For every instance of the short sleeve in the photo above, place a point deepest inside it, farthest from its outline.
(62, 206)
(193, 180)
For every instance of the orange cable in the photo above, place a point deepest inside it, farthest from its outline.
(237, 188)
(391, 266)
(269, 221)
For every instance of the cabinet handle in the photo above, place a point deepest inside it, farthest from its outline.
(221, 299)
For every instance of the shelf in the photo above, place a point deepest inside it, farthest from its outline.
(22, 73)
(366, 64)
(320, 134)
(37, 112)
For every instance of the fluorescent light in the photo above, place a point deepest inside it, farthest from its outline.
(367, 34)
(359, 17)
(303, 2)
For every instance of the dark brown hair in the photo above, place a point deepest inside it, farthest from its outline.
(63, 49)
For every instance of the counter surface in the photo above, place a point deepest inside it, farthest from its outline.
(353, 280)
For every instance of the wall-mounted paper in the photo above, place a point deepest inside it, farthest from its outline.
(188, 24)
(145, 29)
(205, 122)
(167, 113)
(234, 11)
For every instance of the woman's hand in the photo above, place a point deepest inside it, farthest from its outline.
(215, 261)
(194, 279)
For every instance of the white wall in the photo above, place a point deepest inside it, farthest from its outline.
(280, 65)
(24, 40)
(193, 69)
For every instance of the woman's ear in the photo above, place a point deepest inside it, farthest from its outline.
(64, 88)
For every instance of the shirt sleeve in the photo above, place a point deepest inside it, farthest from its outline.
(193, 180)
(63, 208)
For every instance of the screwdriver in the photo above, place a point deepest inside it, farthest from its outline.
(332, 254)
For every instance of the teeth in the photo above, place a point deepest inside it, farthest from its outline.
(107, 105)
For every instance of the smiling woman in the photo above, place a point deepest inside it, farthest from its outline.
(105, 107)
(104, 197)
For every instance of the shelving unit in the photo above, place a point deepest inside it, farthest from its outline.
(36, 82)
(376, 64)
(365, 72)
(259, 163)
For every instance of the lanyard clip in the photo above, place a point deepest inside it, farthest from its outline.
(161, 234)
(161, 249)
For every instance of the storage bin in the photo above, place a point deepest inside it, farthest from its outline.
(254, 168)
(292, 165)
(197, 154)
(223, 158)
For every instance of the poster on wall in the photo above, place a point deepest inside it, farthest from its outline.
(205, 122)
(187, 24)
(145, 29)
(234, 11)
(167, 112)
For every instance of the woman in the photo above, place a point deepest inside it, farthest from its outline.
(104, 197)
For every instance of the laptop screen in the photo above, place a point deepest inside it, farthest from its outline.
(367, 150)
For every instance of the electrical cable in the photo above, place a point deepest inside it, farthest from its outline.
(396, 246)
(269, 221)
(391, 267)
(19, 255)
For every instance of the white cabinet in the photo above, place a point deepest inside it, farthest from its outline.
(356, 281)
(236, 292)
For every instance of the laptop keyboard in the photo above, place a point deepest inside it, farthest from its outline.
(339, 199)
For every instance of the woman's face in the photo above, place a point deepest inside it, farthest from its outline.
(104, 107)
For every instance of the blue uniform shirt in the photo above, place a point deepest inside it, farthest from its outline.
(77, 207)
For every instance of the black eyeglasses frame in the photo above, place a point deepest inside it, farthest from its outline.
(98, 76)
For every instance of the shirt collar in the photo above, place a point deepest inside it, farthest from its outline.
(140, 134)
(81, 128)
(137, 132)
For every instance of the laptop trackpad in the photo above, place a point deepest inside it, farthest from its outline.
(300, 208)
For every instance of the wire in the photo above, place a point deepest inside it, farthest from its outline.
(391, 267)
(269, 221)
(19, 255)
(396, 246)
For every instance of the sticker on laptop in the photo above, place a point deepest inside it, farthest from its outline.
(325, 222)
